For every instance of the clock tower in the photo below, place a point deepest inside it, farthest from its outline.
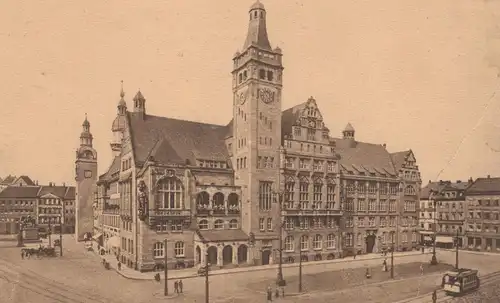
(257, 85)
(85, 177)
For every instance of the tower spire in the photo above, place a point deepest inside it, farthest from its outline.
(257, 31)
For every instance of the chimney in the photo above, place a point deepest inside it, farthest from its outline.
(470, 180)
(459, 181)
(488, 176)
(384, 145)
(64, 184)
(430, 182)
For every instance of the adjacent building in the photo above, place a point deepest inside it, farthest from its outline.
(222, 191)
(50, 206)
(482, 219)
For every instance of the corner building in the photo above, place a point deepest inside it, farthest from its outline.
(213, 190)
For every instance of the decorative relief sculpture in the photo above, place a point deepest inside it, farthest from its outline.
(142, 198)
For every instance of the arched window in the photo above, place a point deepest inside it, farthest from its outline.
(218, 201)
(158, 250)
(304, 242)
(304, 193)
(330, 241)
(410, 191)
(203, 225)
(179, 249)
(289, 245)
(233, 202)
(317, 242)
(219, 224)
(202, 200)
(233, 224)
(169, 194)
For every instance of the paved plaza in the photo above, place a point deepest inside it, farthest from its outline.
(80, 277)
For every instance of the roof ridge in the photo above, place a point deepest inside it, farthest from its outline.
(183, 120)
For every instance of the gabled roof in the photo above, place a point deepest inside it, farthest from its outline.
(59, 191)
(484, 186)
(399, 158)
(425, 192)
(364, 156)
(173, 141)
(27, 180)
(19, 192)
(8, 180)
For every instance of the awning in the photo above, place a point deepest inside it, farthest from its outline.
(443, 239)
(113, 242)
(97, 236)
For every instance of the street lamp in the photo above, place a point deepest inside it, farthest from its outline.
(433, 201)
(300, 270)
(165, 286)
(207, 288)
(281, 196)
(392, 255)
(456, 240)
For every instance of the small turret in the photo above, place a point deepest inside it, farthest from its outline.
(86, 137)
(139, 103)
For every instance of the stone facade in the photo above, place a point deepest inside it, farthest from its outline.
(220, 193)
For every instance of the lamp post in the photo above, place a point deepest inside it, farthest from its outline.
(456, 250)
(50, 233)
(433, 200)
(392, 255)
(281, 196)
(61, 226)
(165, 255)
(207, 288)
(300, 270)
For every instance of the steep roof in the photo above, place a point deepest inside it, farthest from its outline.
(349, 128)
(26, 180)
(484, 186)
(399, 158)
(19, 192)
(9, 180)
(173, 141)
(289, 116)
(364, 156)
(70, 193)
(113, 168)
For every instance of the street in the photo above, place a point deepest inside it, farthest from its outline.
(80, 277)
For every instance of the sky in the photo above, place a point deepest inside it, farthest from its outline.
(414, 74)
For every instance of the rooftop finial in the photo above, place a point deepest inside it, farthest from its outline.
(122, 93)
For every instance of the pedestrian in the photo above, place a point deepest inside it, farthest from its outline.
(423, 249)
(176, 287)
(421, 269)
(119, 265)
(282, 292)
(269, 294)
(354, 256)
(180, 286)
(277, 293)
(434, 297)
(22, 254)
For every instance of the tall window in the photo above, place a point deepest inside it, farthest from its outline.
(361, 205)
(317, 194)
(330, 196)
(372, 205)
(262, 227)
(265, 195)
(169, 194)
(289, 223)
(158, 250)
(304, 242)
(179, 249)
(233, 224)
(304, 193)
(289, 244)
(392, 206)
(349, 239)
(317, 242)
(269, 224)
(383, 205)
(289, 193)
(330, 241)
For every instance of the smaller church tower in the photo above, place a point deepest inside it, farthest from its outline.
(140, 103)
(119, 125)
(348, 132)
(85, 177)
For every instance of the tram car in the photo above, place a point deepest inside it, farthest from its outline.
(461, 281)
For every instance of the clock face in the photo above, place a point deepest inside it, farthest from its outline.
(266, 95)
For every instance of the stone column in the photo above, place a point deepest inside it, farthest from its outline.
(235, 254)
(219, 256)
(249, 259)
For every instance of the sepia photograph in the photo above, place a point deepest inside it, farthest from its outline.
(250, 151)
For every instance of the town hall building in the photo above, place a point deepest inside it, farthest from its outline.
(221, 193)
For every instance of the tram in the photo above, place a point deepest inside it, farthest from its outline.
(461, 281)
